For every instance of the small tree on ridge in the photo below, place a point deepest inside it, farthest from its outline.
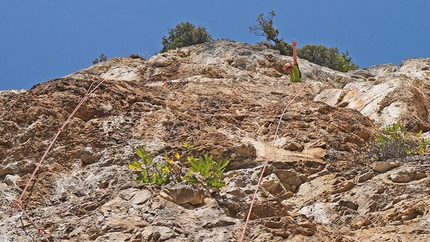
(184, 34)
(264, 27)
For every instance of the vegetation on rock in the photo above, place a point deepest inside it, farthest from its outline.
(264, 27)
(152, 171)
(203, 170)
(318, 54)
(184, 34)
(328, 57)
(395, 142)
(206, 170)
(102, 58)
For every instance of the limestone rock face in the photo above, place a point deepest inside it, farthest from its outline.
(387, 94)
(225, 98)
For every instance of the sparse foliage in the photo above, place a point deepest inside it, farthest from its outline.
(395, 142)
(264, 27)
(184, 34)
(102, 58)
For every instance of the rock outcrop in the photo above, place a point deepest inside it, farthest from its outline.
(387, 94)
(225, 98)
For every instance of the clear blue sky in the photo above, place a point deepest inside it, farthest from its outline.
(41, 40)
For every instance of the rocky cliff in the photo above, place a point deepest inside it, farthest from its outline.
(226, 99)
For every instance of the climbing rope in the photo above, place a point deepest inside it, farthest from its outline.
(18, 202)
(267, 161)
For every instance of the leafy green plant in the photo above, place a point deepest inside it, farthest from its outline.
(206, 170)
(150, 171)
(203, 170)
(188, 145)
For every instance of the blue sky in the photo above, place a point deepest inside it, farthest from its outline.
(41, 40)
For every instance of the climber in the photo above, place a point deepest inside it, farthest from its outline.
(293, 70)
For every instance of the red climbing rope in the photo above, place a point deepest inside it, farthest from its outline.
(17, 203)
(267, 161)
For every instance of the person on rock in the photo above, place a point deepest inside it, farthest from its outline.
(293, 70)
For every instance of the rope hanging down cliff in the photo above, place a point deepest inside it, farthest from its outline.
(297, 78)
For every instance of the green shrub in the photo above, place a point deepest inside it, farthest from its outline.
(284, 48)
(150, 171)
(204, 170)
(184, 34)
(328, 57)
(102, 58)
(345, 63)
(395, 142)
